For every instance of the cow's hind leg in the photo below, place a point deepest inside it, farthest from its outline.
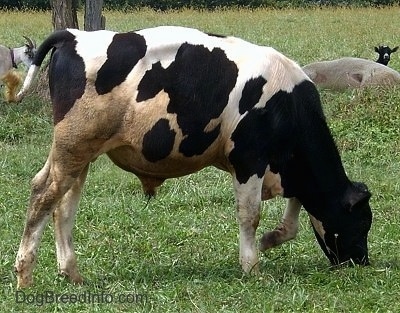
(64, 217)
(248, 201)
(48, 188)
(286, 230)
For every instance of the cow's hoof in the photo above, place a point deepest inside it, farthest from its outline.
(24, 282)
(251, 268)
(74, 277)
(270, 239)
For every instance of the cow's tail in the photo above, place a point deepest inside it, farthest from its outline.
(55, 40)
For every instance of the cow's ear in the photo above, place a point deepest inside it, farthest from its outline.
(376, 49)
(395, 49)
(356, 194)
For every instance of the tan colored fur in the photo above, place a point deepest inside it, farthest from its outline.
(12, 80)
(271, 186)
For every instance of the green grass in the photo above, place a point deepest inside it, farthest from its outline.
(180, 250)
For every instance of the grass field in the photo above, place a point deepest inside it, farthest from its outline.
(179, 253)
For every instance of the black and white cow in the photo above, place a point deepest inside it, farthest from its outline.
(168, 101)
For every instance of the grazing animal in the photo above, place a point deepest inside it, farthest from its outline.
(288, 227)
(168, 101)
(384, 54)
(10, 58)
(344, 73)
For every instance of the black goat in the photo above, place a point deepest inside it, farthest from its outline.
(384, 54)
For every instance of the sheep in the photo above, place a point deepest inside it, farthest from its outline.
(10, 58)
(344, 73)
(384, 54)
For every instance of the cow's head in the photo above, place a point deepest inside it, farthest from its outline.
(342, 231)
(339, 209)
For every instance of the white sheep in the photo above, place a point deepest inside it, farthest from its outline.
(344, 73)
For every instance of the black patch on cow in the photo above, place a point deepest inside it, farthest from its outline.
(198, 142)
(67, 79)
(125, 50)
(158, 141)
(264, 136)
(198, 83)
(291, 135)
(151, 83)
(251, 93)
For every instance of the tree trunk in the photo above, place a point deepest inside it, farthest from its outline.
(93, 18)
(64, 14)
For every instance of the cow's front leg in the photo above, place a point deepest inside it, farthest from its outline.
(286, 230)
(64, 217)
(248, 200)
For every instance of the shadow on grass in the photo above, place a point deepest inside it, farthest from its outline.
(160, 275)
(225, 272)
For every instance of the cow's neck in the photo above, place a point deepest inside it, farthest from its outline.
(324, 159)
(315, 174)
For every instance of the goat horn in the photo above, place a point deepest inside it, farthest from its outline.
(31, 44)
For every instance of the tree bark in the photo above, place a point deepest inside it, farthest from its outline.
(93, 18)
(64, 14)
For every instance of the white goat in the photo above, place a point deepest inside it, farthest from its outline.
(344, 73)
(10, 58)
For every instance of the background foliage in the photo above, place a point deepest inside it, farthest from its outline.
(200, 4)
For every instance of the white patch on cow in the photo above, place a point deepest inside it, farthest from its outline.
(230, 115)
(167, 36)
(92, 47)
(163, 42)
(282, 74)
(249, 190)
(253, 61)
